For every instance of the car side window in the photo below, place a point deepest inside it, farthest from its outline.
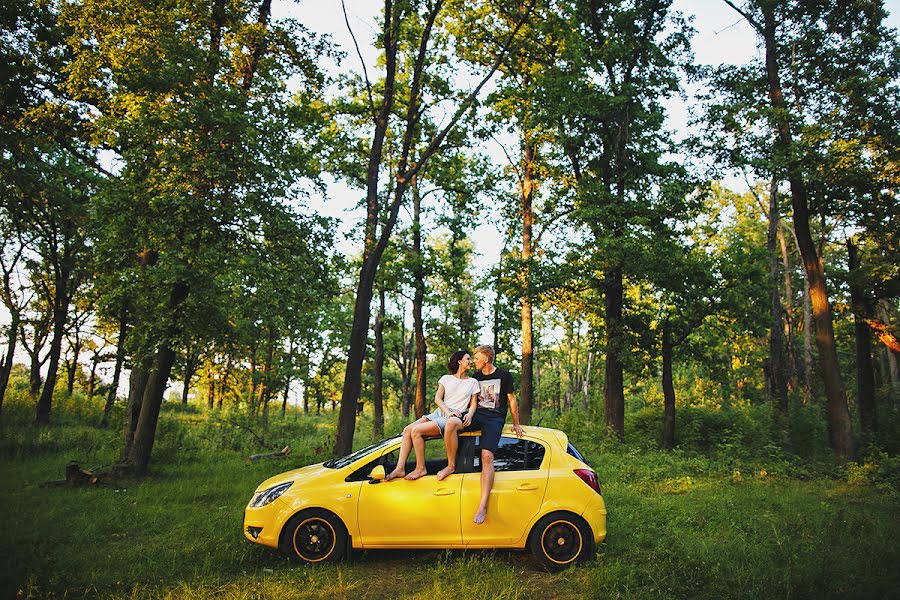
(513, 454)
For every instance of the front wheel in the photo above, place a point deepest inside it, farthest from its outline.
(559, 539)
(314, 536)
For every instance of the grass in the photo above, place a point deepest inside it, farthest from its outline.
(681, 525)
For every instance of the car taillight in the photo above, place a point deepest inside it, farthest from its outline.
(590, 478)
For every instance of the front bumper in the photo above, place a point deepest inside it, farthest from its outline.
(262, 525)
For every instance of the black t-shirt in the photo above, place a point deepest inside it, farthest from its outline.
(495, 390)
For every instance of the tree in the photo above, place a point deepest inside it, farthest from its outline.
(622, 60)
(406, 32)
(830, 100)
(196, 143)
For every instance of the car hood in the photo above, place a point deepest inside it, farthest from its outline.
(295, 475)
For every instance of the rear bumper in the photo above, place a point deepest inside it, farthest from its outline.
(595, 515)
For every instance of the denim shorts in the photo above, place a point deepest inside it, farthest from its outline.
(491, 426)
(439, 419)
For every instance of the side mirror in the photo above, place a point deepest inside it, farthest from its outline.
(376, 475)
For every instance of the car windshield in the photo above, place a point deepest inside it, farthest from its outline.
(340, 463)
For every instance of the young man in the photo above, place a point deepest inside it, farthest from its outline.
(497, 395)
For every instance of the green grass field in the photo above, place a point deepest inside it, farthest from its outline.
(681, 525)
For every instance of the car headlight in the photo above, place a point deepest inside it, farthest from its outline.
(268, 496)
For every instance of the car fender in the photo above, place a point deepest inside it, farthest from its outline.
(343, 506)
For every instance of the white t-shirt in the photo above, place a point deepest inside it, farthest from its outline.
(457, 392)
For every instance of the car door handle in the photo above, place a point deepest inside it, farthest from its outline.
(444, 492)
(527, 487)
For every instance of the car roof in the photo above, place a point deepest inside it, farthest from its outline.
(551, 436)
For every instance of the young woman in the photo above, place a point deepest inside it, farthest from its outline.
(457, 395)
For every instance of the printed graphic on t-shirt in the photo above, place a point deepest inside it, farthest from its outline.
(490, 394)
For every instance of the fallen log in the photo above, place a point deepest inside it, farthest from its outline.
(258, 457)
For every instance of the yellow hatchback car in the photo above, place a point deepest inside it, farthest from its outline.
(545, 497)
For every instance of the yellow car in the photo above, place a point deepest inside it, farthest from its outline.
(544, 497)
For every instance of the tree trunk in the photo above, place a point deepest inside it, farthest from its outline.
(251, 397)
(34, 375)
(526, 386)
(557, 389)
(92, 379)
(140, 374)
(210, 390)
(72, 368)
(145, 432)
(614, 384)
(224, 383)
(786, 269)
(807, 363)
(154, 391)
(268, 375)
(117, 372)
(586, 381)
(6, 367)
(776, 329)
(405, 364)
(865, 374)
(188, 375)
(668, 389)
(60, 313)
(378, 371)
(418, 300)
(838, 413)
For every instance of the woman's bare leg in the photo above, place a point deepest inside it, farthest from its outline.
(405, 447)
(451, 442)
(429, 428)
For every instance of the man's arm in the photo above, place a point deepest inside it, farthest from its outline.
(514, 411)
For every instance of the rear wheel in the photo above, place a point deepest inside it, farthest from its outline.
(559, 539)
(314, 536)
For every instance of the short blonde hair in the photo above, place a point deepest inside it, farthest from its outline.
(486, 349)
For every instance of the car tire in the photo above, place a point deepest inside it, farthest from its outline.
(314, 536)
(560, 539)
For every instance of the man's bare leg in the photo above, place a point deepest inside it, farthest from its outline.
(405, 447)
(451, 442)
(487, 482)
(427, 428)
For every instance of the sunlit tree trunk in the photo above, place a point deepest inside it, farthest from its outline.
(526, 390)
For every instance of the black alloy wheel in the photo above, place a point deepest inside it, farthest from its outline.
(560, 539)
(315, 536)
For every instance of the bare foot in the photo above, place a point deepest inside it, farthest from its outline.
(480, 516)
(395, 474)
(416, 473)
(446, 472)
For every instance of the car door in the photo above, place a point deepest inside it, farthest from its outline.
(520, 482)
(420, 513)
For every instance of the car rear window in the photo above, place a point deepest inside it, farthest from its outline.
(574, 452)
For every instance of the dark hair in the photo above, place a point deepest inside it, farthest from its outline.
(453, 363)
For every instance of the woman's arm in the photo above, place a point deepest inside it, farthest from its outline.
(473, 404)
(439, 400)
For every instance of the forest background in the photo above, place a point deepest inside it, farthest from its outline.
(710, 312)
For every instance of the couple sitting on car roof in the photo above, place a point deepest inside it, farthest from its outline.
(464, 404)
